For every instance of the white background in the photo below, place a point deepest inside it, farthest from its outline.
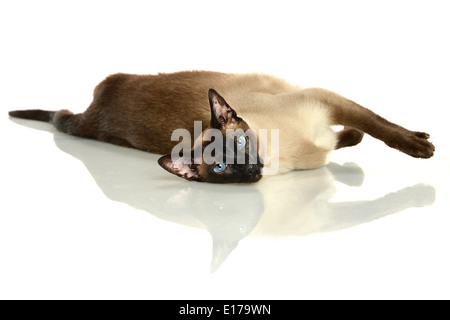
(61, 237)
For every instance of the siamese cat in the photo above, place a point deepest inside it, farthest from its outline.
(144, 112)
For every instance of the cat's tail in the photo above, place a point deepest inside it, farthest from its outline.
(63, 120)
(40, 115)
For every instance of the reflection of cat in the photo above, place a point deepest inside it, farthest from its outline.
(313, 209)
(143, 111)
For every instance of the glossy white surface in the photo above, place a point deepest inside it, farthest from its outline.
(84, 219)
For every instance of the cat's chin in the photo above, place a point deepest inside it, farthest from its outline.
(257, 178)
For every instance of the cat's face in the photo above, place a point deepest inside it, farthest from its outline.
(226, 153)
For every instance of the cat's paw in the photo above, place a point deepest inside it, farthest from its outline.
(416, 144)
(349, 137)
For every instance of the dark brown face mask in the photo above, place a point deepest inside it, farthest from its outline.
(228, 153)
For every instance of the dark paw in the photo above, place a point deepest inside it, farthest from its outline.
(417, 145)
(349, 137)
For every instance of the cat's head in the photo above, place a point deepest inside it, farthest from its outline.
(226, 152)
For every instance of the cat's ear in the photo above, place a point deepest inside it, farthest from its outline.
(222, 115)
(180, 166)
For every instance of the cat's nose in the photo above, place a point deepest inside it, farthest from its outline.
(253, 169)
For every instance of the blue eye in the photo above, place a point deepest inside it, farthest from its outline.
(241, 142)
(220, 167)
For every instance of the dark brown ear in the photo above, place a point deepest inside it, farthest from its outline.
(221, 113)
(180, 166)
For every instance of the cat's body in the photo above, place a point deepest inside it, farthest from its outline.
(142, 112)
